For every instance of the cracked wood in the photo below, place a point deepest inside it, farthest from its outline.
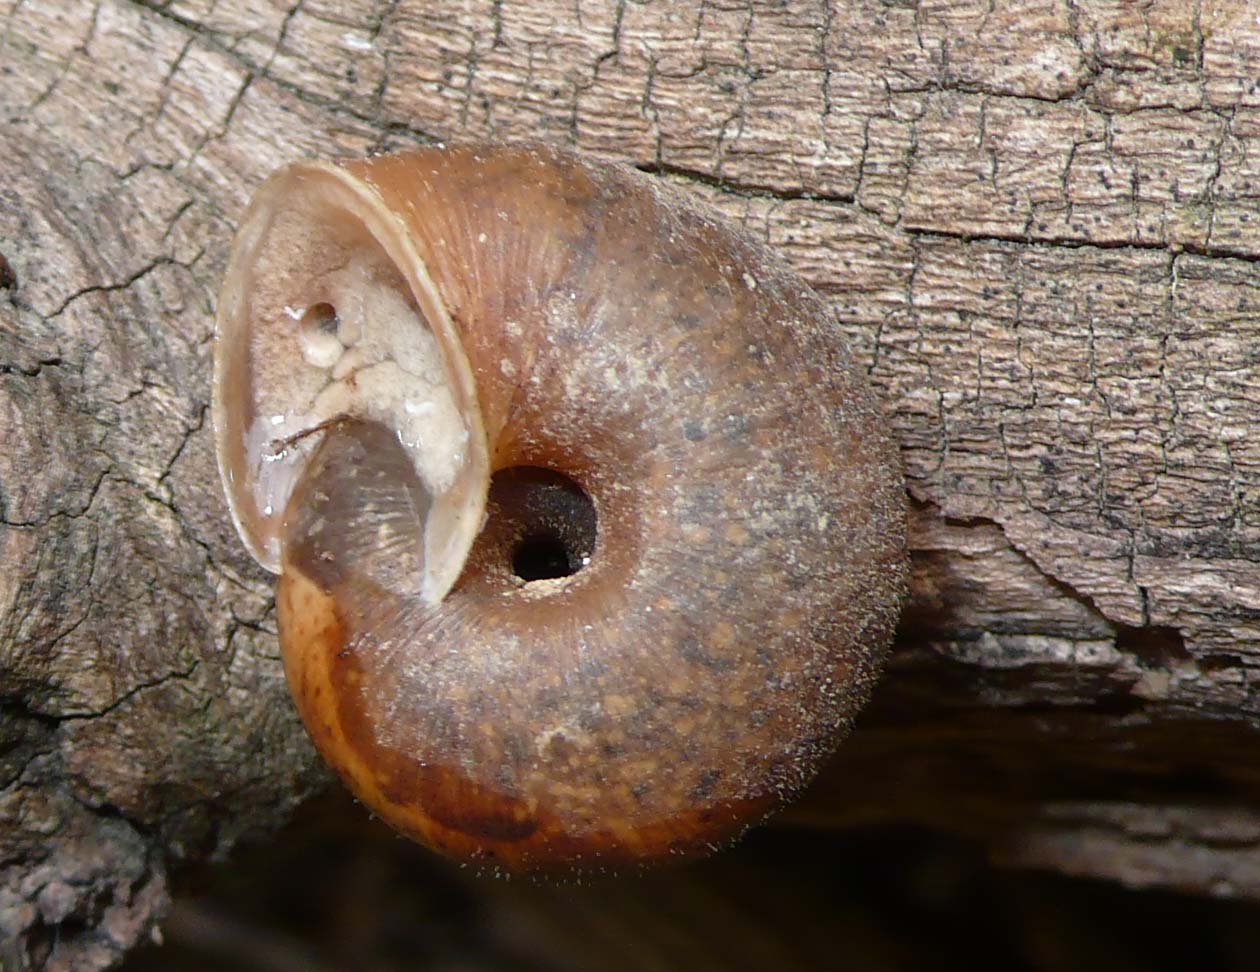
(1035, 220)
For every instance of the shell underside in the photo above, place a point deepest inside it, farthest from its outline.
(744, 560)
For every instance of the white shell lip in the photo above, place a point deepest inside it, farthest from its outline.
(458, 511)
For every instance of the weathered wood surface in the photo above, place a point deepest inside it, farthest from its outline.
(1034, 218)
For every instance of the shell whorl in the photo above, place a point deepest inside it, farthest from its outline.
(652, 390)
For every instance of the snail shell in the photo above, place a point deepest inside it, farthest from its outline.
(590, 534)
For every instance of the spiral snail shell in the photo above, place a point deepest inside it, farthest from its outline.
(590, 534)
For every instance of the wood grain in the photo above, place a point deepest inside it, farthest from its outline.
(1035, 221)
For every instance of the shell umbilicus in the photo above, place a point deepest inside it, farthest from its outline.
(590, 534)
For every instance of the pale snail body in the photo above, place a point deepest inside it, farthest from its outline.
(732, 562)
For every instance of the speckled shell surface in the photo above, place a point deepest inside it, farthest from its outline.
(747, 561)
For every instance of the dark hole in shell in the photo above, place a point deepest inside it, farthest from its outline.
(548, 520)
(542, 557)
(320, 319)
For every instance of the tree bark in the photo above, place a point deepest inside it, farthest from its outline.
(1035, 221)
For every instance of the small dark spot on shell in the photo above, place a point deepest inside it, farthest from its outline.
(692, 651)
(704, 786)
(8, 279)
